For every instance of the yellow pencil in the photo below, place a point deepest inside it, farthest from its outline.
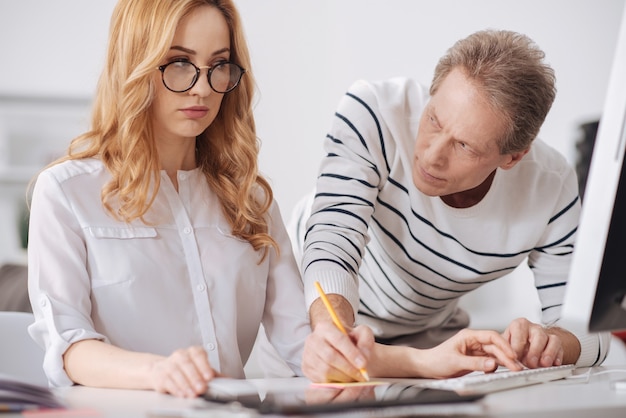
(336, 320)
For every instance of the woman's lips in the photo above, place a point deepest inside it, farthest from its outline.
(195, 112)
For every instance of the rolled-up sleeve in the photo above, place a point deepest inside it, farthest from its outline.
(58, 280)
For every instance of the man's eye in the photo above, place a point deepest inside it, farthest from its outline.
(466, 148)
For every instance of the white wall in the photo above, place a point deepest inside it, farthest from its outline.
(307, 52)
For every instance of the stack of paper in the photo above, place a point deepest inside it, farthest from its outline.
(16, 395)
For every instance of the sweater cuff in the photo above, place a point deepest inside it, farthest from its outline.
(593, 348)
(337, 282)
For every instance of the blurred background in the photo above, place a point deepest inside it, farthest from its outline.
(305, 54)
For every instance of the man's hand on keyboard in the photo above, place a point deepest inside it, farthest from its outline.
(538, 346)
(470, 350)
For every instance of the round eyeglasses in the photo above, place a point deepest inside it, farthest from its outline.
(181, 76)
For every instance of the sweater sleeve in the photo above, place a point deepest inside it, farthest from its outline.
(350, 176)
(550, 262)
(551, 258)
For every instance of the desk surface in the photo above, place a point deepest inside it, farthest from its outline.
(592, 394)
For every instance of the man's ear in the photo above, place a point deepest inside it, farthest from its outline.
(513, 159)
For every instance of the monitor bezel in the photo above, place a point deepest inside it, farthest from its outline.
(589, 277)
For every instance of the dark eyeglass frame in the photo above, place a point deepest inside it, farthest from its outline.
(196, 77)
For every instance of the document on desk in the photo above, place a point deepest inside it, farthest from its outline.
(17, 395)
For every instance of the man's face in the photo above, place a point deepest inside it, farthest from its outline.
(457, 142)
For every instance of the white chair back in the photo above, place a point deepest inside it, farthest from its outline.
(20, 356)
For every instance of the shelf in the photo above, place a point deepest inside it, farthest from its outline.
(35, 131)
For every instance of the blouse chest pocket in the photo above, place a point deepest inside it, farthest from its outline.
(117, 255)
(104, 232)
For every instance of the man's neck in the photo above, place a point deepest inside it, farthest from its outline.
(471, 197)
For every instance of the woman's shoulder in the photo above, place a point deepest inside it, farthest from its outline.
(70, 169)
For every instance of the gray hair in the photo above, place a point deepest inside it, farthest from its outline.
(508, 67)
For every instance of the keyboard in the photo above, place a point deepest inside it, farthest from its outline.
(502, 379)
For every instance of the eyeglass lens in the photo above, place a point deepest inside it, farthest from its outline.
(180, 76)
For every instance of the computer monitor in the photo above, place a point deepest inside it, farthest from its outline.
(595, 298)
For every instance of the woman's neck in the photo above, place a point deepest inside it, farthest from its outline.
(175, 157)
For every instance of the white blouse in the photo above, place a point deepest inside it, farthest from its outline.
(177, 280)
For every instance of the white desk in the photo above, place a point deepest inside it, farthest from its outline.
(565, 398)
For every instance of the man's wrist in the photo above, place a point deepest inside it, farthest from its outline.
(571, 344)
(318, 312)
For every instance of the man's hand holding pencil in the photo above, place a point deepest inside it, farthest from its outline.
(335, 352)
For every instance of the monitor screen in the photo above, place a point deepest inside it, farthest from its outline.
(595, 296)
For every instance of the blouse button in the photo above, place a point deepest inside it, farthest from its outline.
(43, 303)
(187, 230)
(210, 346)
(183, 176)
(200, 287)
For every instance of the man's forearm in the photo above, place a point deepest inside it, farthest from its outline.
(342, 307)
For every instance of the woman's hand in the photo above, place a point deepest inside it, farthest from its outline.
(185, 373)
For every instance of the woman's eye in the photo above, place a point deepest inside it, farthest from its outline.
(218, 64)
(178, 60)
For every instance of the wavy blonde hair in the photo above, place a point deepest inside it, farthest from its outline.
(121, 134)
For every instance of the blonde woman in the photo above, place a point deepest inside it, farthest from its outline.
(156, 249)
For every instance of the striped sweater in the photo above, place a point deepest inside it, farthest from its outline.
(403, 259)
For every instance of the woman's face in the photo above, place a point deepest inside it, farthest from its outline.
(202, 38)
